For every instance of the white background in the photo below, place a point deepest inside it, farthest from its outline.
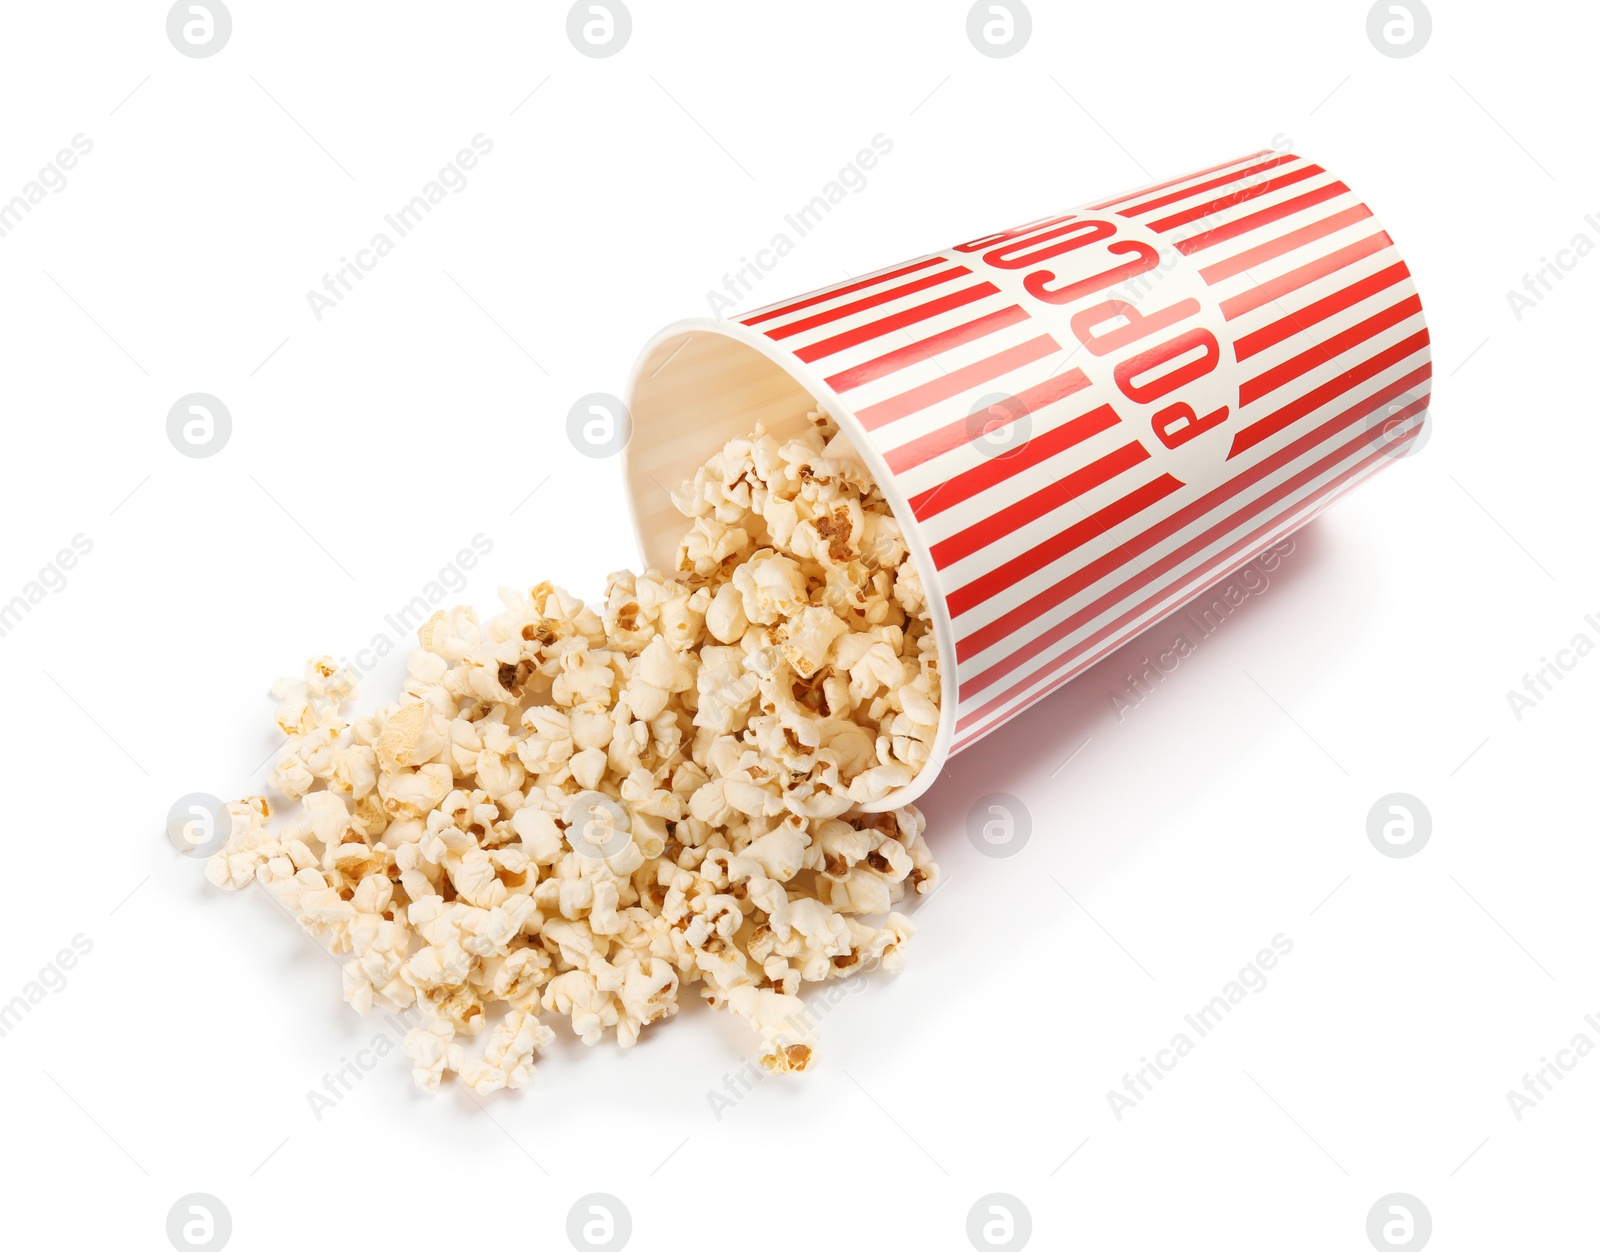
(367, 447)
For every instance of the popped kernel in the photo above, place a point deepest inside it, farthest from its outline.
(574, 811)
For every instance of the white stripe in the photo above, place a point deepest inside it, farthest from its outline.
(1241, 208)
(1045, 578)
(1288, 393)
(1260, 234)
(1063, 513)
(917, 332)
(1193, 581)
(1132, 199)
(1335, 324)
(957, 408)
(1264, 272)
(950, 281)
(929, 369)
(832, 303)
(1304, 297)
(967, 456)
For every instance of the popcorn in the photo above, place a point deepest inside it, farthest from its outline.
(584, 811)
(508, 1056)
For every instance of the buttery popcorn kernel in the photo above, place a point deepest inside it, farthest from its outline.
(574, 811)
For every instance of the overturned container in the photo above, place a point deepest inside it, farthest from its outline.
(1079, 423)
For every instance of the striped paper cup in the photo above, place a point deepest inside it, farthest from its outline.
(1080, 423)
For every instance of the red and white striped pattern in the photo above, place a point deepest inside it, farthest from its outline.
(1089, 529)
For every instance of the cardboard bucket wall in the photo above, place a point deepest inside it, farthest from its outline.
(1080, 423)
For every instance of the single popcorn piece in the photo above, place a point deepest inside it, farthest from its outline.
(508, 1057)
(432, 1053)
(580, 812)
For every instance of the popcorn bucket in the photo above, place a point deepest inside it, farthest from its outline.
(1080, 423)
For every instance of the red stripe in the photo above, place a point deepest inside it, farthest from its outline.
(895, 321)
(1255, 221)
(954, 383)
(924, 349)
(829, 293)
(1284, 243)
(1118, 595)
(1165, 565)
(1236, 198)
(1012, 622)
(868, 302)
(1221, 567)
(989, 473)
(1318, 311)
(1173, 182)
(1329, 391)
(1172, 197)
(1277, 288)
(955, 435)
(1327, 351)
(993, 527)
(1011, 572)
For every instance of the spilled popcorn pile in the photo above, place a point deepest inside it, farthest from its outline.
(577, 811)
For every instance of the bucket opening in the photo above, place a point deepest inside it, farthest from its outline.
(701, 383)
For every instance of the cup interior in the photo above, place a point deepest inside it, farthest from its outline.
(699, 384)
(692, 391)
